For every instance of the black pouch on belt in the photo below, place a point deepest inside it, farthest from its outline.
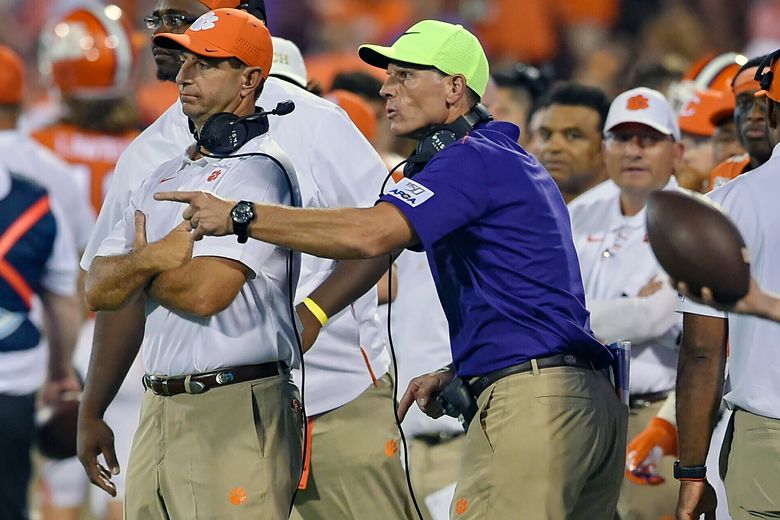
(457, 400)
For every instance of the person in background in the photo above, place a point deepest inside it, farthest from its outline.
(570, 136)
(518, 88)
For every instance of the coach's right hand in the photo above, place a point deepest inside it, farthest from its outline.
(96, 437)
(422, 390)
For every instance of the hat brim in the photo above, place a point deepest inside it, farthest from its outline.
(185, 41)
(380, 57)
(655, 126)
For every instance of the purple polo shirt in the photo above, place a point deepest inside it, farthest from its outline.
(498, 239)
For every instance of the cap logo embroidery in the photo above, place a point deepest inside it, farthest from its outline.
(205, 22)
(281, 58)
(638, 102)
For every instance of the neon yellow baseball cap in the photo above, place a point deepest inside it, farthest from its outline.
(431, 43)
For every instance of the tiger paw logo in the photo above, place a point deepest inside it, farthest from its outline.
(638, 102)
(205, 22)
(461, 506)
(391, 448)
(238, 496)
(214, 175)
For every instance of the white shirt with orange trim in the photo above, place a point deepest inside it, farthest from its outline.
(616, 262)
(257, 326)
(24, 156)
(754, 365)
(336, 167)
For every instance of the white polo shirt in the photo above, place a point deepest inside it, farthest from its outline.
(421, 337)
(24, 372)
(616, 262)
(754, 364)
(336, 167)
(256, 327)
(65, 184)
(600, 191)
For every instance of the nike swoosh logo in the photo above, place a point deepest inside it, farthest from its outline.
(167, 179)
(407, 33)
(210, 50)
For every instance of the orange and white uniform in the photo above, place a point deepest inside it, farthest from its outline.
(94, 152)
(729, 169)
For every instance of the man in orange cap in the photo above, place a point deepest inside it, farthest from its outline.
(37, 262)
(750, 119)
(220, 428)
(698, 125)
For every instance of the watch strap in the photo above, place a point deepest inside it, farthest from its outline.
(689, 472)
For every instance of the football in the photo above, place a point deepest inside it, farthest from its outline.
(56, 428)
(696, 243)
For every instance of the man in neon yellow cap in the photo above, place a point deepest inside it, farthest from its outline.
(547, 435)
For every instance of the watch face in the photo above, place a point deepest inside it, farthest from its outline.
(242, 214)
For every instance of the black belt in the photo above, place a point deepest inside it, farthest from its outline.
(199, 383)
(479, 384)
(645, 400)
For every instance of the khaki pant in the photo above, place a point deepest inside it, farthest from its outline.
(355, 468)
(230, 453)
(434, 467)
(753, 472)
(548, 444)
(641, 502)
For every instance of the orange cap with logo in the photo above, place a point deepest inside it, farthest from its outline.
(11, 77)
(225, 33)
(704, 110)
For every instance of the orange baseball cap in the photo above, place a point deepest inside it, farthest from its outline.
(12, 74)
(705, 109)
(358, 110)
(225, 33)
(745, 81)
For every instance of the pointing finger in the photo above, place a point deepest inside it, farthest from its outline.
(176, 196)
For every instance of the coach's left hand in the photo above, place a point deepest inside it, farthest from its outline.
(422, 390)
(207, 213)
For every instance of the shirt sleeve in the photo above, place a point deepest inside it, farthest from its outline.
(255, 179)
(120, 240)
(634, 318)
(345, 166)
(62, 268)
(448, 194)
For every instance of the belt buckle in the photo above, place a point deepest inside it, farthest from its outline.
(156, 383)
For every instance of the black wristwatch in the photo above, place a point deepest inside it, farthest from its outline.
(689, 472)
(242, 215)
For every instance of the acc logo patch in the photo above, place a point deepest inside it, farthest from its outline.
(638, 102)
(412, 193)
(205, 22)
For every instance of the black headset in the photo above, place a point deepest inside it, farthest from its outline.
(765, 78)
(255, 8)
(224, 133)
(439, 137)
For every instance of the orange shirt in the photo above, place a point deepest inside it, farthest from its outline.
(95, 152)
(729, 169)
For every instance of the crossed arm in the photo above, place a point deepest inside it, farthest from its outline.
(165, 269)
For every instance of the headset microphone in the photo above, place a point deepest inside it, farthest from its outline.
(224, 133)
